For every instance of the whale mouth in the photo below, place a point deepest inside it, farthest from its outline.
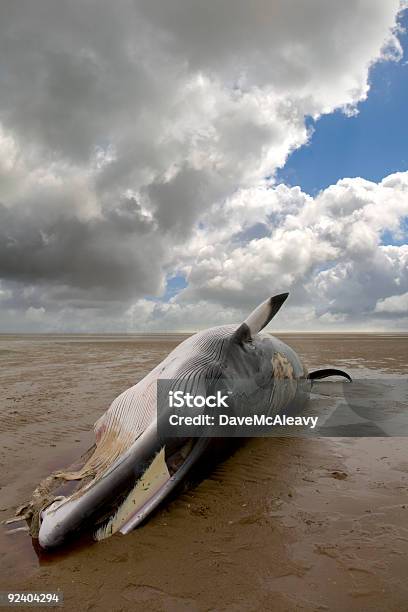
(163, 474)
(123, 507)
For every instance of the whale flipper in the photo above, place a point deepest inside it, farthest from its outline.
(318, 374)
(259, 318)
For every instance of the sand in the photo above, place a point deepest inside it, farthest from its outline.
(292, 524)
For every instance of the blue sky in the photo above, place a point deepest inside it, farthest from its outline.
(370, 145)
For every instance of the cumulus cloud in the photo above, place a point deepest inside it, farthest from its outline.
(135, 142)
(395, 304)
(327, 251)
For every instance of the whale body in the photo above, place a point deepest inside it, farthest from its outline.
(131, 468)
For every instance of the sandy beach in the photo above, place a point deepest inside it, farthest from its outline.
(280, 524)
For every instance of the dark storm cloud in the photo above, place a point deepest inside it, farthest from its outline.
(69, 80)
(179, 201)
(87, 254)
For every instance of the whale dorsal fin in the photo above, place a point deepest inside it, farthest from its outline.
(259, 318)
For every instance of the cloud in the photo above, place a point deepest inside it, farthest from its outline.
(43, 242)
(395, 304)
(135, 142)
(327, 251)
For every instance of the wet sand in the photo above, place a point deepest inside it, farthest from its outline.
(292, 524)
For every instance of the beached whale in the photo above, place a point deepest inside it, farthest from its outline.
(132, 468)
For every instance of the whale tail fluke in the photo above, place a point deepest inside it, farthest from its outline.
(318, 374)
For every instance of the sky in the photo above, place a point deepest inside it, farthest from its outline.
(169, 165)
(371, 144)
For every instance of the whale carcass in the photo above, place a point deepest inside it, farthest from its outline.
(132, 468)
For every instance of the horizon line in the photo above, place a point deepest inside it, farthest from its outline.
(190, 332)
